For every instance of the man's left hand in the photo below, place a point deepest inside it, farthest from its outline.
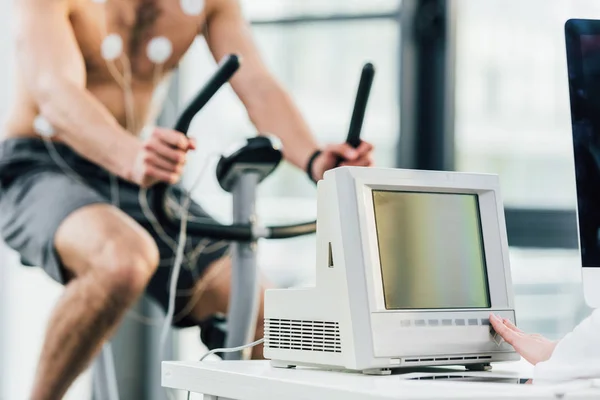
(345, 154)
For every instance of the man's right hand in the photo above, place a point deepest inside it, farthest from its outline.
(161, 158)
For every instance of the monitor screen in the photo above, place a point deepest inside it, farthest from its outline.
(583, 49)
(431, 250)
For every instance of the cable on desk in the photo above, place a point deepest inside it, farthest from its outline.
(232, 349)
(229, 350)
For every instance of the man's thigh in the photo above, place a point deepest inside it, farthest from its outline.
(33, 207)
(204, 271)
(104, 238)
(200, 253)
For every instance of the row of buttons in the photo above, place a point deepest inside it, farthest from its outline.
(445, 322)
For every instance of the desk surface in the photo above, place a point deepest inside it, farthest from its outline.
(258, 380)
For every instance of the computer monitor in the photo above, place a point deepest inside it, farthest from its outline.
(409, 266)
(583, 59)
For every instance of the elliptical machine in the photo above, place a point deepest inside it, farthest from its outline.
(240, 173)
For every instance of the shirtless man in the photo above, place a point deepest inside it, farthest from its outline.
(108, 256)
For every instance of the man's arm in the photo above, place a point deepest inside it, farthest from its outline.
(49, 57)
(269, 107)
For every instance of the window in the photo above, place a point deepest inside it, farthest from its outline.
(512, 103)
(513, 119)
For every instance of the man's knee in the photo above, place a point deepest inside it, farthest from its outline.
(104, 240)
(127, 263)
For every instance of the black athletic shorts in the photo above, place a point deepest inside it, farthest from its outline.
(36, 195)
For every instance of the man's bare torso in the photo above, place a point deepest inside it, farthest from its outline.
(137, 22)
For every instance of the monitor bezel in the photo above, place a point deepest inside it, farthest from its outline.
(492, 227)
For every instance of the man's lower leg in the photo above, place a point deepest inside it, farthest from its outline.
(85, 316)
(212, 293)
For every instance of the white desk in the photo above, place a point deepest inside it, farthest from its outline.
(257, 380)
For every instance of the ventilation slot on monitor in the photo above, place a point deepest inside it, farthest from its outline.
(286, 334)
(445, 359)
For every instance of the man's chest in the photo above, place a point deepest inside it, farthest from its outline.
(132, 25)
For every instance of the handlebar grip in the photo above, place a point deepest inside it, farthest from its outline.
(227, 68)
(241, 232)
(360, 107)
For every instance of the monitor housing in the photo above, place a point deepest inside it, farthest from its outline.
(583, 60)
(343, 322)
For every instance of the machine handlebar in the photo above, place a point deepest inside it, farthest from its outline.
(246, 232)
(226, 69)
(360, 105)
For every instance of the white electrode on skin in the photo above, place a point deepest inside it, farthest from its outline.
(112, 47)
(159, 49)
(146, 131)
(192, 7)
(43, 127)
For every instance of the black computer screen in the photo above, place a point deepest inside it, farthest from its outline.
(583, 56)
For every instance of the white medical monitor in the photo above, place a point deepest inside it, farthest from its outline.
(409, 266)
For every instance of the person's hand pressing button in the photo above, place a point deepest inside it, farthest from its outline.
(532, 347)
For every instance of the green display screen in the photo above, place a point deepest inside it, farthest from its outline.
(431, 250)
